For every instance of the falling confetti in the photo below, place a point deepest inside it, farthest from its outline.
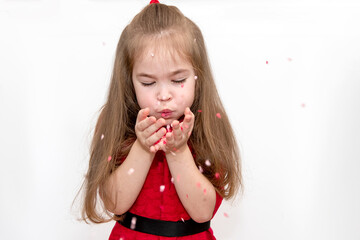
(182, 85)
(195, 77)
(109, 158)
(201, 169)
(133, 223)
(168, 127)
(131, 170)
(208, 163)
(162, 188)
(174, 154)
(226, 215)
(303, 105)
(172, 179)
(182, 219)
(218, 115)
(217, 175)
(198, 184)
(187, 196)
(102, 136)
(164, 142)
(267, 62)
(204, 190)
(199, 110)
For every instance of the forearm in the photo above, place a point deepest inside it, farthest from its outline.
(195, 191)
(125, 183)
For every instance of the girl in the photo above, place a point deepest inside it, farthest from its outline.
(163, 155)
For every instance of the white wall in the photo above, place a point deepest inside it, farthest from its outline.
(296, 118)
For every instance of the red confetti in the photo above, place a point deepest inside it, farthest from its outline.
(109, 158)
(217, 175)
(218, 115)
(164, 142)
(199, 110)
(204, 190)
(182, 85)
(267, 62)
(198, 184)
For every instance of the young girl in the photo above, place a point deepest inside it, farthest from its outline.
(163, 155)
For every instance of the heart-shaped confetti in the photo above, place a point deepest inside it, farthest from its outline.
(218, 115)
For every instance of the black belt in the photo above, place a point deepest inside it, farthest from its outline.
(163, 228)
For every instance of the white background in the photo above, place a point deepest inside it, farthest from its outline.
(297, 118)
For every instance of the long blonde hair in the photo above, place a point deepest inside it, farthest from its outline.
(212, 138)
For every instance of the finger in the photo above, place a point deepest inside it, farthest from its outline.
(155, 137)
(170, 139)
(151, 129)
(177, 130)
(144, 124)
(142, 114)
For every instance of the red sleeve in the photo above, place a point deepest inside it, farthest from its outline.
(217, 204)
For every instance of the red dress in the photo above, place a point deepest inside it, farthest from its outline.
(166, 205)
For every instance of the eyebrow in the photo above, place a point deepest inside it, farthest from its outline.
(171, 74)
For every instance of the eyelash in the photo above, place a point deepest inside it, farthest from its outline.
(174, 81)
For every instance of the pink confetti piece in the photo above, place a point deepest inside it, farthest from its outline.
(201, 169)
(198, 184)
(182, 85)
(174, 154)
(182, 128)
(102, 136)
(182, 220)
(168, 127)
(109, 159)
(204, 190)
(131, 170)
(217, 175)
(303, 105)
(226, 215)
(162, 188)
(208, 163)
(133, 223)
(163, 114)
(172, 180)
(267, 62)
(187, 196)
(189, 133)
(195, 77)
(164, 142)
(199, 110)
(218, 115)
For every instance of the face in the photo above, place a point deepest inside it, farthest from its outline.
(163, 83)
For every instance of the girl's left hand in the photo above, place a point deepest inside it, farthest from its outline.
(177, 139)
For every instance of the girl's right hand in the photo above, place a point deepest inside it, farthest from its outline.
(147, 130)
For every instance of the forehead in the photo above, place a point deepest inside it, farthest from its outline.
(155, 56)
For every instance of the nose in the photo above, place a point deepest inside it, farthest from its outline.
(164, 94)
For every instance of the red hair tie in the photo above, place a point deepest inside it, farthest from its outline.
(154, 1)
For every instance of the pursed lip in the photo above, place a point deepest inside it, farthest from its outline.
(166, 113)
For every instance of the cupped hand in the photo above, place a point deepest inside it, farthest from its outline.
(177, 139)
(149, 130)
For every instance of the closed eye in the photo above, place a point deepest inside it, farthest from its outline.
(147, 84)
(179, 81)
